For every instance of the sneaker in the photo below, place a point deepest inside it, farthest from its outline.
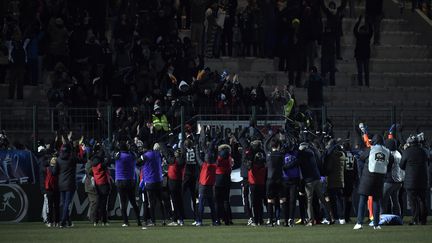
(216, 223)
(95, 224)
(199, 224)
(144, 228)
(150, 224)
(253, 224)
(377, 227)
(194, 223)
(278, 222)
(250, 221)
(299, 221)
(342, 221)
(180, 222)
(106, 224)
(290, 222)
(358, 227)
(371, 223)
(309, 224)
(125, 225)
(173, 223)
(49, 225)
(325, 221)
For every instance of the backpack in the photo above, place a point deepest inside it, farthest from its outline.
(18, 54)
(378, 159)
(51, 182)
(398, 175)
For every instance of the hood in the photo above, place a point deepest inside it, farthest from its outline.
(391, 144)
(377, 140)
(65, 151)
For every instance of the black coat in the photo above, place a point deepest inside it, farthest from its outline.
(362, 48)
(65, 168)
(414, 162)
(371, 184)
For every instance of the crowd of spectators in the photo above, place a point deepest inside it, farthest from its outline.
(123, 52)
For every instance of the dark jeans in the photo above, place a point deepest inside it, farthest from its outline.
(391, 195)
(362, 67)
(187, 6)
(189, 184)
(176, 199)
(227, 41)
(336, 202)
(257, 196)
(102, 202)
(53, 206)
(126, 190)
(15, 77)
(417, 201)
(328, 66)
(209, 201)
(291, 197)
(362, 207)
(223, 207)
(154, 194)
(66, 197)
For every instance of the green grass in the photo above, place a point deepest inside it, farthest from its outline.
(85, 232)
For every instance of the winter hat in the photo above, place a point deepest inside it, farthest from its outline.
(183, 86)
(377, 140)
(156, 107)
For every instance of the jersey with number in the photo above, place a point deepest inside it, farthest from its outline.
(191, 162)
(350, 168)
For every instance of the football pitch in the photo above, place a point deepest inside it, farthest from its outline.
(86, 232)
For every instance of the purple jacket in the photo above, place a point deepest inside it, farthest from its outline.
(125, 166)
(152, 167)
(291, 170)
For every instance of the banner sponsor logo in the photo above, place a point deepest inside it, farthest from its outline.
(14, 203)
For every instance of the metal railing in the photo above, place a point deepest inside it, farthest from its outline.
(36, 123)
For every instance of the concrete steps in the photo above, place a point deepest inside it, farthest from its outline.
(388, 37)
(391, 51)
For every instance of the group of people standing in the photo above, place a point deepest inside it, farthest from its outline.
(278, 169)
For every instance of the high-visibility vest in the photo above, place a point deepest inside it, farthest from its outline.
(160, 123)
(288, 107)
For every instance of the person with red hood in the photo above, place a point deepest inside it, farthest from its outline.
(224, 163)
(102, 181)
(207, 179)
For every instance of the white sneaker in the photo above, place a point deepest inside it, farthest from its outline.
(125, 225)
(173, 223)
(371, 223)
(358, 227)
(377, 227)
(342, 221)
(250, 221)
(278, 222)
(144, 228)
(325, 221)
(194, 223)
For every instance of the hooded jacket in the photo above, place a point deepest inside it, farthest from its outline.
(414, 162)
(65, 168)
